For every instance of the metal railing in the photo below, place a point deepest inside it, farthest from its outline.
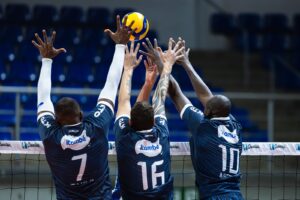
(270, 98)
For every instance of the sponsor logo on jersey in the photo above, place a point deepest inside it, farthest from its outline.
(297, 146)
(26, 145)
(246, 147)
(276, 146)
(229, 136)
(45, 122)
(75, 142)
(148, 148)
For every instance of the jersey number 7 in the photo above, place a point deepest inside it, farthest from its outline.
(81, 157)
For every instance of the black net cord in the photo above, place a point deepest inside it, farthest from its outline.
(297, 178)
(246, 182)
(271, 171)
(38, 176)
(12, 176)
(283, 177)
(259, 176)
(25, 176)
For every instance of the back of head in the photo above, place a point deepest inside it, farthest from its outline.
(67, 111)
(142, 116)
(217, 106)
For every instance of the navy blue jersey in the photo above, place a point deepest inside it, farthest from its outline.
(216, 147)
(77, 155)
(144, 161)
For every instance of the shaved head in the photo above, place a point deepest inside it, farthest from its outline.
(67, 111)
(217, 106)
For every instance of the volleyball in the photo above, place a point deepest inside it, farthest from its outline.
(140, 23)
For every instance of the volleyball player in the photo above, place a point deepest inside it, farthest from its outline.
(215, 141)
(76, 147)
(142, 135)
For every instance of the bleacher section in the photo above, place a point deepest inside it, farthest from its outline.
(269, 35)
(85, 65)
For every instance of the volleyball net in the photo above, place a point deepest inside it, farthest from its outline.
(269, 171)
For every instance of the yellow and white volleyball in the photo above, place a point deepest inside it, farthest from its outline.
(140, 24)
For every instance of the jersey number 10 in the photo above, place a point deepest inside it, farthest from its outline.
(233, 160)
(154, 174)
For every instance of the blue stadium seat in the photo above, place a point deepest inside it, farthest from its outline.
(22, 72)
(5, 135)
(7, 52)
(89, 103)
(58, 74)
(29, 121)
(16, 13)
(80, 73)
(66, 37)
(70, 15)
(11, 35)
(86, 55)
(222, 23)
(43, 15)
(275, 42)
(28, 53)
(250, 25)
(29, 101)
(275, 23)
(98, 17)
(93, 37)
(30, 137)
(7, 120)
(179, 136)
(3, 72)
(176, 124)
(7, 101)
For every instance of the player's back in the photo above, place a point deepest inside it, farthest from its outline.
(144, 161)
(77, 155)
(216, 147)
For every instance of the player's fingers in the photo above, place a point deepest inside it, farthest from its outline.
(155, 43)
(108, 32)
(45, 36)
(144, 53)
(131, 46)
(180, 51)
(179, 57)
(178, 44)
(137, 48)
(40, 41)
(61, 50)
(170, 44)
(130, 25)
(145, 46)
(118, 22)
(53, 37)
(126, 49)
(35, 44)
(132, 31)
(188, 52)
(140, 59)
(149, 43)
(146, 65)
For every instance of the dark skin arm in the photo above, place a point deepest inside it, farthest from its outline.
(202, 91)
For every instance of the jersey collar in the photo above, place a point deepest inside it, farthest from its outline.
(146, 131)
(71, 125)
(220, 118)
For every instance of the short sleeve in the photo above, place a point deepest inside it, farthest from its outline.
(161, 123)
(121, 126)
(47, 125)
(192, 116)
(100, 117)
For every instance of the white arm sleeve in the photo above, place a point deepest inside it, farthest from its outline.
(44, 88)
(110, 88)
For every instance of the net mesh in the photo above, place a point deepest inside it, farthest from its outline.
(270, 171)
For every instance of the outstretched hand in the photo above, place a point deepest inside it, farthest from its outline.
(170, 56)
(123, 33)
(152, 53)
(151, 71)
(46, 47)
(184, 60)
(131, 60)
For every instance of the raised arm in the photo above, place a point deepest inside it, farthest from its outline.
(151, 75)
(130, 63)
(168, 59)
(202, 91)
(121, 38)
(48, 52)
